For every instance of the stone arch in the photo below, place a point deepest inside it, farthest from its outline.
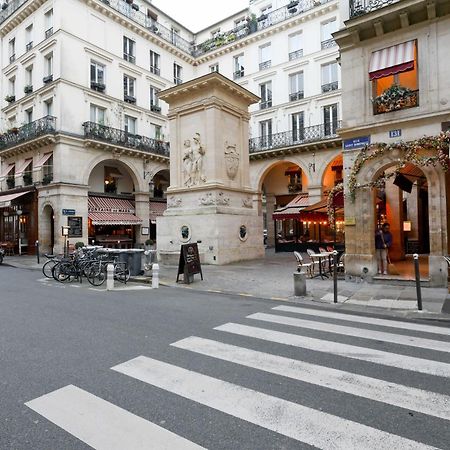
(128, 165)
(323, 170)
(46, 233)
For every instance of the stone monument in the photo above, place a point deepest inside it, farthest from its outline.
(209, 200)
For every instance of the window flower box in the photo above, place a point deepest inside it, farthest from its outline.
(395, 98)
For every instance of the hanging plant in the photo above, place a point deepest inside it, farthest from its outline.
(438, 145)
(330, 204)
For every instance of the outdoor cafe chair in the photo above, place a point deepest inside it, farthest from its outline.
(301, 264)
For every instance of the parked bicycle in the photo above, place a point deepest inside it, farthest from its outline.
(98, 271)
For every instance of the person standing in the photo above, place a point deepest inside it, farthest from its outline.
(383, 241)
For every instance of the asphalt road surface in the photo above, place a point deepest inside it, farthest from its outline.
(178, 369)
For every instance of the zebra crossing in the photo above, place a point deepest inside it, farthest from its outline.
(104, 425)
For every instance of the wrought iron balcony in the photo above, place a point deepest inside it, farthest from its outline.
(28, 132)
(155, 70)
(295, 55)
(238, 74)
(306, 135)
(155, 109)
(360, 7)
(264, 104)
(122, 138)
(265, 65)
(333, 86)
(29, 46)
(296, 96)
(329, 43)
(48, 32)
(177, 80)
(129, 58)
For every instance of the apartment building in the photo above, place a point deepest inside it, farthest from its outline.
(84, 140)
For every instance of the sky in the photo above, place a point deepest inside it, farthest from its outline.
(198, 14)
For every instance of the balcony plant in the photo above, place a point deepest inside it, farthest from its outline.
(10, 182)
(135, 7)
(27, 178)
(252, 23)
(10, 98)
(394, 98)
(47, 179)
(28, 89)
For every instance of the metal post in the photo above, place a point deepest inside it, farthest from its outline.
(155, 276)
(109, 277)
(418, 289)
(335, 289)
(36, 244)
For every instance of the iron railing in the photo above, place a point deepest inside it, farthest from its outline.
(265, 65)
(360, 7)
(28, 132)
(328, 44)
(292, 138)
(333, 86)
(295, 55)
(122, 138)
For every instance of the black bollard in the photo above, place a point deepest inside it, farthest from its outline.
(335, 290)
(36, 244)
(418, 289)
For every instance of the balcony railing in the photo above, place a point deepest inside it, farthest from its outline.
(48, 32)
(360, 7)
(295, 55)
(293, 138)
(28, 132)
(328, 44)
(296, 96)
(264, 104)
(122, 138)
(330, 87)
(155, 70)
(238, 74)
(265, 65)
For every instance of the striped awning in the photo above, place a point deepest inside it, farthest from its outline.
(292, 209)
(43, 160)
(157, 209)
(24, 165)
(391, 60)
(112, 211)
(7, 169)
(5, 200)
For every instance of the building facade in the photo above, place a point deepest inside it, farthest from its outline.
(395, 95)
(85, 136)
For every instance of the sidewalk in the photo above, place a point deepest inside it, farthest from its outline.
(272, 278)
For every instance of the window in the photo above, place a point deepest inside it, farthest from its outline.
(130, 124)
(177, 73)
(330, 120)
(97, 76)
(238, 66)
(48, 68)
(264, 57)
(48, 23)
(154, 62)
(49, 107)
(298, 126)
(265, 132)
(295, 46)
(12, 86)
(215, 33)
(128, 89)
(29, 115)
(154, 101)
(174, 33)
(97, 114)
(394, 77)
(265, 90)
(326, 29)
(12, 49)
(28, 80)
(330, 77)
(296, 86)
(129, 49)
(29, 37)
(157, 132)
(214, 67)
(239, 23)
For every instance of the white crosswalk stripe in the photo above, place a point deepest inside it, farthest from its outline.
(429, 344)
(366, 320)
(349, 351)
(391, 393)
(290, 419)
(103, 425)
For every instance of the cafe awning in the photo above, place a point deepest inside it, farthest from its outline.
(5, 200)
(392, 60)
(157, 209)
(111, 211)
(292, 209)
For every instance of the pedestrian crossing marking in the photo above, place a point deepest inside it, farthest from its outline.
(366, 320)
(372, 388)
(102, 425)
(346, 350)
(290, 419)
(401, 339)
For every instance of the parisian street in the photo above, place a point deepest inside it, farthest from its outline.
(175, 368)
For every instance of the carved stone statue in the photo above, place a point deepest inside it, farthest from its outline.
(193, 156)
(231, 160)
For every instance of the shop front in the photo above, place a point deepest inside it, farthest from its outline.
(18, 221)
(112, 222)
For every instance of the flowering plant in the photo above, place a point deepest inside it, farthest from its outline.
(393, 98)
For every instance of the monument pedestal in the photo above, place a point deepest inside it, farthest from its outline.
(209, 200)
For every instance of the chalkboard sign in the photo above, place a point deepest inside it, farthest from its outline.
(189, 263)
(76, 226)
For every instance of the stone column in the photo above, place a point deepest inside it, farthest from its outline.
(315, 193)
(142, 208)
(270, 208)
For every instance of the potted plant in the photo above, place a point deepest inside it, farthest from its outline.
(79, 244)
(135, 7)
(47, 179)
(10, 98)
(394, 98)
(10, 182)
(27, 178)
(149, 244)
(28, 89)
(252, 23)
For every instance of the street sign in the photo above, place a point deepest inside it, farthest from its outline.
(358, 142)
(395, 133)
(68, 212)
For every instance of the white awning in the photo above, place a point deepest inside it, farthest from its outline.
(43, 160)
(24, 165)
(5, 200)
(391, 60)
(7, 169)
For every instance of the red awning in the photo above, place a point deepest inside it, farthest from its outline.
(391, 60)
(157, 209)
(7, 169)
(24, 165)
(43, 160)
(292, 209)
(293, 170)
(111, 211)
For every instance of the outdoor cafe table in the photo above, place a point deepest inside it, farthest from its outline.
(320, 257)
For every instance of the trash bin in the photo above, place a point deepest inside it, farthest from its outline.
(134, 261)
